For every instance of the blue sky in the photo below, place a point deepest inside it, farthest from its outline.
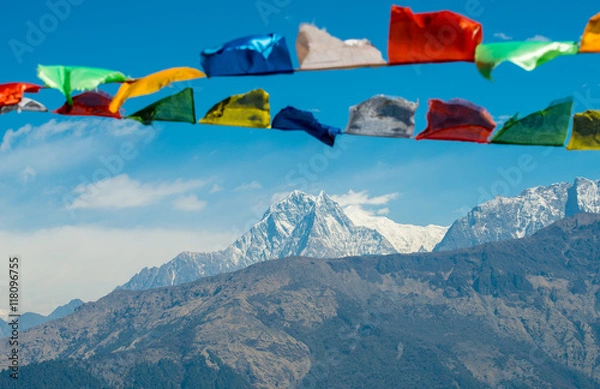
(213, 182)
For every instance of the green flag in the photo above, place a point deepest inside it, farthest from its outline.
(76, 78)
(527, 55)
(548, 127)
(175, 108)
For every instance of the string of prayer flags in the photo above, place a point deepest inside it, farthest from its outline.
(89, 104)
(256, 54)
(11, 93)
(383, 116)
(457, 120)
(316, 49)
(293, 119)
(548, 127)
(74, 78)
(245, 110)
(586, 131)
(442, 36)
(153, 83)
(590, 41)
(175, 108)
(26, 104)
(527, 55)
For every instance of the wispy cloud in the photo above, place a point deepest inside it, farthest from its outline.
(122, 192)
(28, 174)
(502, 36)
(29, 135)
(248, 186)
(383, 211)
(189, 203)
(216, 188)
(360, 206)
(538, 38)
(61, 145)
(362, 198)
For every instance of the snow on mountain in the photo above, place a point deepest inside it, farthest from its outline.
(405, 238)
(299, 225)
(516, 217)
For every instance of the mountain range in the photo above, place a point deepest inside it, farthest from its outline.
(31, 319)
(511, 314)
(505, 218)
(305, 225)
(299, 225)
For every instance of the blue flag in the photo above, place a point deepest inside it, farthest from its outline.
(291, 118)
(256, 54)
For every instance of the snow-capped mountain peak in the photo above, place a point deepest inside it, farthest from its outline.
(505, 218)
(300, 224)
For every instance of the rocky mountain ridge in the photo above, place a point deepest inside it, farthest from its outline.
(505, 218)
(517, 313)
(299, 225)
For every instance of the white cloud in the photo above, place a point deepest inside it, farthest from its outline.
(248, 186)
(189, 203)
(383, 211)
(122, 192)
(362, 198)
(502, 36)
(87, 262)
(360, 207)
(28, 134)
(11, 135)
(358, 214)
(61, 145)
(538, 38)
(28, 174)
(216, 188)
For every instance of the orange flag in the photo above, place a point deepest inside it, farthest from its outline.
(442, 36)
(590, 41)
(12, 92)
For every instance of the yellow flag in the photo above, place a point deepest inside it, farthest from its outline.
(246, 110)
(590, 41)
(152, 83)
(586, 131)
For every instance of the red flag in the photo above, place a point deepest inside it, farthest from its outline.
(458, 120)
(12, 93)
(442, 36)
(89, 104)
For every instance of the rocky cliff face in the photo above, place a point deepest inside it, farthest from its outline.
(518, 313)
(515, 217)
